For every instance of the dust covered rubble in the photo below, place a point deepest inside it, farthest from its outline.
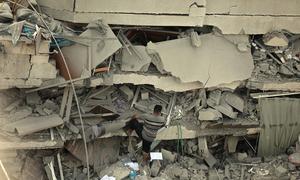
(197, 75)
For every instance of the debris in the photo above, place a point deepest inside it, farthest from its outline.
(145, 95)
(200, 77)
(13, 105)
(168, 156)
(227, 110)
(33, 99)
(232, 142)
(38, 71)
(280, 171)
(234, 100)
(93, 51)
(214, 98)
(196, 41)
(166, 83)
(241, 156)
(212, 175)
(32, 124)
(209, 114)
(117, 170)
(49, 168)
(275, 38)
(155, 168)
(127, 92)
(210, 160)
(132, 62)
(208, 70)
(295, 158)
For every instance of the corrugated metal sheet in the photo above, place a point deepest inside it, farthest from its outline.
(281, 124)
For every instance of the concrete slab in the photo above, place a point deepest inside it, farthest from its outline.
(165, 83)
(205, 64)
(32, 124)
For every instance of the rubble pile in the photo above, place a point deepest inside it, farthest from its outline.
(68, 90)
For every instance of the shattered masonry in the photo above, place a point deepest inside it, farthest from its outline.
(225, 74)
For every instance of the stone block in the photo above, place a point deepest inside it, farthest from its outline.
(43, 71)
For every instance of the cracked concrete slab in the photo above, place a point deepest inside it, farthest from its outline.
(215, 62)
(165, 83)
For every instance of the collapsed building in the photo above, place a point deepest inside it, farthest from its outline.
(226, 75)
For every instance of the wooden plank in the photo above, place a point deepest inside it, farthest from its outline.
(137, 6)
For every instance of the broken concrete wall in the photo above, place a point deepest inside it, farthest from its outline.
(25, 65)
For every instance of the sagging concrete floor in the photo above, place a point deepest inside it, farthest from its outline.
(73, 74)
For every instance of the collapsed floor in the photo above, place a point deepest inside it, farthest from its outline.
(230, 101)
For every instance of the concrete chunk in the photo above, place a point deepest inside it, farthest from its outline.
(20, 113)
(39, 59)
(209, 114)
(127, 92)
(213, 175)
(227, 110)
(234, 100)
(135, 62)
(232, 142)
(145, 95)
(43, 71)
(275, 39)
(13, 105)
(33, 98)
(14, 66)
(214, 98)
(34, 124)
(156, 165)
(168, 156)
(280, 171)
(210, 160)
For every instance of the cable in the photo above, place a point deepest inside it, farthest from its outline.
(73, 88)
